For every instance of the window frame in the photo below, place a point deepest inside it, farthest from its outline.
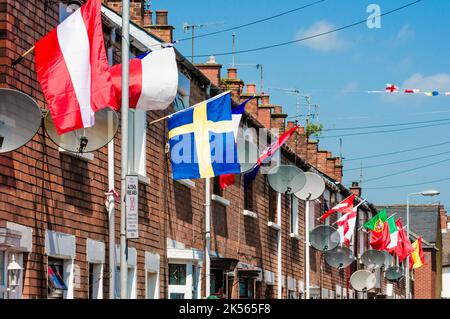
(294, 215)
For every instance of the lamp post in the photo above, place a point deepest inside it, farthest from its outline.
(14, 273)
(424, 193)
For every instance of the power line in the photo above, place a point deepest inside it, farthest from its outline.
(384, 131)
(397, 162)
(254, 22)
(406, 171)
(409, 185)
(396, 152)
(384, 125)
(310, 37)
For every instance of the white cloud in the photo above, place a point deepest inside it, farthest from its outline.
(349, 88)
(326, 43)
(440, 82)
(405, 33)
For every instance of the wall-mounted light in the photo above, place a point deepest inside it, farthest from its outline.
(14, 272)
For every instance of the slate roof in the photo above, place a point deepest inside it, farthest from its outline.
(424, 219)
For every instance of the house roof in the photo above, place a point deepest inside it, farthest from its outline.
(424, 219)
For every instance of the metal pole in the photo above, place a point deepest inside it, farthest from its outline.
(279, 253)
(233, 62)
(207, 237)
(307, 262)
(193, 36)
(124, 138)
(407, 259)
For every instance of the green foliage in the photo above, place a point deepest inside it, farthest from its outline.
(313, 129)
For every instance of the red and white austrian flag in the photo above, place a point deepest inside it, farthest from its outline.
(346, 227)
(346, 206)
(73, 69)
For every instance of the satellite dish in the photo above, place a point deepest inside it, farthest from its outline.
(287, 179)
(313, 189)
(247, 154)
(20, 119)
(340, 257)
(394, 273)
(324, 238)
(87, 139)
(373, 259)
(363, 280)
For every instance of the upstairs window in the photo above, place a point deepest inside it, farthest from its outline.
(56, 283)
(182, 100)
(249, 203)
(273, 203)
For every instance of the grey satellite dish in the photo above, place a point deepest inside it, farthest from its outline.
(286, 179)
(340, 257)
(373, 259)
(313, 189)
(324, 238)
(394, 273)
(363, 280)
(88, 139)
(20, 119)
(247, 154)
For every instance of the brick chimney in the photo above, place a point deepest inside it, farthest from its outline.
(278, 119)
(356, 189)
(251, 88)
(232, 73)
(252, 105)
(233, 84)
(136, 10)
(443, 218)
(162, 29)
(265, 111)
(211, 69)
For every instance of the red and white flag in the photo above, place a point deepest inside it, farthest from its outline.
(153, 80)
(73, 69)
(346, 227)
(346, 206)
(391, 88)
(412, 91)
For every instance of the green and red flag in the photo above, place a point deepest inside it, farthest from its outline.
(380, 230)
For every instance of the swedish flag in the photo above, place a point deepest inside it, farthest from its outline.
(202, 142)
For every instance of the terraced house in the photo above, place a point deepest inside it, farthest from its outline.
(53, 218)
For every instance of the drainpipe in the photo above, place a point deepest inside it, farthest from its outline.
(279, 253)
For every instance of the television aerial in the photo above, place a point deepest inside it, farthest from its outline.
(20, 119)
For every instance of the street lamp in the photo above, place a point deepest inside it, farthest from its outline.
(14, 270)
(430, 193)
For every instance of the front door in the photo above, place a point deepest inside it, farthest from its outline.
(180, 280)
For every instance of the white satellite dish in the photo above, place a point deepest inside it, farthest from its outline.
(20, 119)
(286, 179)
(87, 139)
(313, 189)
(340, 257)
(373, 259)
(324, 238)
(247, 154)
(363, 280)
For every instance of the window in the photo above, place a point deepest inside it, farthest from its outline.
(217, 190)
(246, 288)
(56, 282)
(312, 215)
(292, 294)
(177, 274)
(152, 285)
(249, 198)
(294, 215)
(66, 10)
(273, 203)
(184, 92)
(2, 268)
(95, 281)
(137, 126)
(131, 283)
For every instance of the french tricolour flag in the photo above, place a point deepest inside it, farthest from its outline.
(153, 80)
(73, 69)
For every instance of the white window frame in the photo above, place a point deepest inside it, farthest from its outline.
(312, 214)
(97, 281)
(137, 144)
(152, 268)
(188, 287)
(294, 216)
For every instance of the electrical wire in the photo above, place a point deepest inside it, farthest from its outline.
(309, 37)
(396, 152)
(254, 22)
(409, 185)
(406, 171)
(384, 125)
(384, 131)
(397, 162)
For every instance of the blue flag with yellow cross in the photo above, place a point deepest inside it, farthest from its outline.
(201, 139)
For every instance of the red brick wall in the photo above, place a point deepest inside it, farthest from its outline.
(425, 277)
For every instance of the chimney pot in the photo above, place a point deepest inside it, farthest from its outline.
(212, 60)
(265, 100)
(251, 88)
(232, 73)
(148, 18)
(161, 17)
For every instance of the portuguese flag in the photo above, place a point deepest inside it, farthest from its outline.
(380, 231)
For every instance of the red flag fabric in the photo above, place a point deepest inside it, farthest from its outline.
(381, 237)
(346, 206)
(73, 69)
(276, 145)
(404, 247)
(226, 180)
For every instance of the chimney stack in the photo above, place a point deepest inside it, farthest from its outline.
(356, 189)
(161, 29)
(161, 17)
(251, 88)
(232, 73)
(211, 69)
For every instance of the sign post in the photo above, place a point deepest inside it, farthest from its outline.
(131, 200)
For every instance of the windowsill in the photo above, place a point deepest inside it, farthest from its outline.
(250, 214)
(82, 156)
(142, 179)
(187, 182)
(274, 225)
(295, 236)
(220, 200)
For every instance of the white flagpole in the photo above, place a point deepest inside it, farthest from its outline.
(124, 138)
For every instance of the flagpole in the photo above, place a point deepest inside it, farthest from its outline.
(207, 237)
(124, 140)
(307, 262)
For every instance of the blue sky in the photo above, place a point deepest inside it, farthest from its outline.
(411, 50)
